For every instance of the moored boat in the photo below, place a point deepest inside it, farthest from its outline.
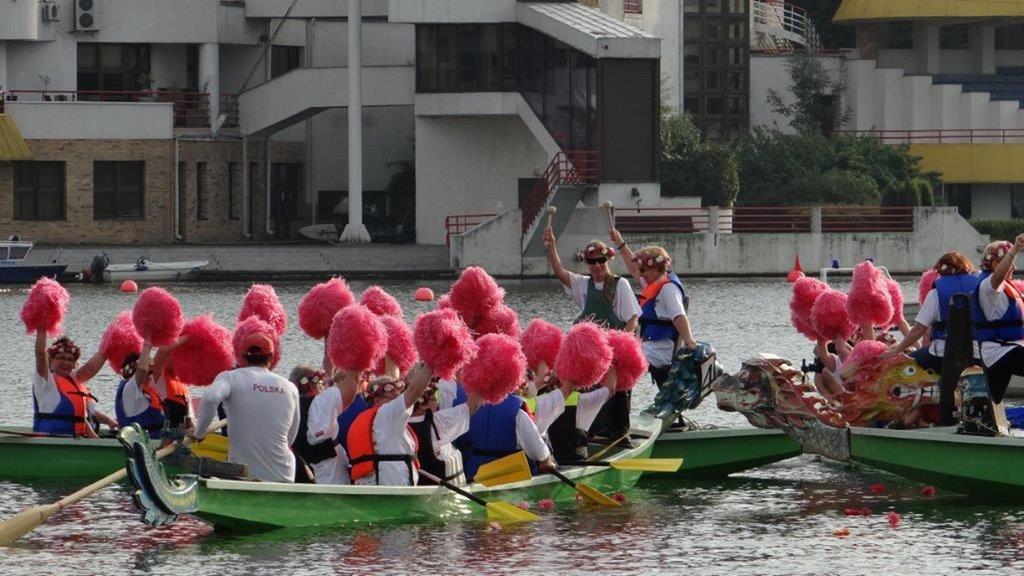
(246, 506)
(15, 270)
(145, 270)
(718, 452)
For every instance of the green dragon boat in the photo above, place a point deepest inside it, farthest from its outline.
(28, 458)
(247, 506)
(718, 452)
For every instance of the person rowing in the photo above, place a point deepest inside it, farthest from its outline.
(564, 414)
(174, 394)
(998, 313)
(135, 401)
(327, 457)
(310, 382)
(62, 402)
(436, 430)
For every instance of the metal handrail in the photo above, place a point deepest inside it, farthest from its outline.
(191, 109)
(941, 136)
(462, 223)
(566, 167)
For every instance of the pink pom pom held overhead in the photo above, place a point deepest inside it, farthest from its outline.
(45, 307)
(541, 341)
(896, 297)
(829, 316)
(261, 300)
(357, 340)
(497, 370)
(584, 357)
(805, 291)
(474, 293)
(869, 301)
(248, 327)
(380, 302)
(866, 352)
(499, 320)
(443, 342)
(400, 347)
(205, 352)
(157, 316)
(320, 304)
(925, 285)
(627, 359)
(120, 340)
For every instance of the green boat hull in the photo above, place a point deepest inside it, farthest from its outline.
(239, 506)
(27, 459)
(983, 468)
(719, 452)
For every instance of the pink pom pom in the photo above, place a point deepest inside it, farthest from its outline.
(869, 301)
(1018, 284)
(925, 285)
(320, 304)
(541, 342)
(896, 297)
(357, 340)
(584, 357)
(120, 340)
(474, 293)
(805, 291)
(380, 302)
(499, 320)
(249, 326)
(261, 300)
(400, 346)
(866, 352)
(206, 351)
(497, 370)
(627, 358)
(157, 316)
(45, 307)
(444, 301)
(829, 316)
(443, 342)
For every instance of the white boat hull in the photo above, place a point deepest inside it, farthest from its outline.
(155, 271)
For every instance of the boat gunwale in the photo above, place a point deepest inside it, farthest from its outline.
(672, 435)
(945, 434)
(54, 440)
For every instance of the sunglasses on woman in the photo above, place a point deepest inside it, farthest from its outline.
(593, 261)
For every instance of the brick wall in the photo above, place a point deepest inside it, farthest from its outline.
(80, 227)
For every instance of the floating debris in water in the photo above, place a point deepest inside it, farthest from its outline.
(547, 504)
(894, 519)
(928, 491)
(877, 488)
(841, 533)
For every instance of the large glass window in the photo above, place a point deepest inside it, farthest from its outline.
(113, 67)
(1010, 37)
(118, 190)
(284, 59)
(901, 36)
(715, 64)
(39, 190)
(953, 37)
(1017, 201)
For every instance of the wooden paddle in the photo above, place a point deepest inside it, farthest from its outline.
(29, 434)
(638, 464)
(589, 493)
(514, 468)
(500, 510)
(28, 520)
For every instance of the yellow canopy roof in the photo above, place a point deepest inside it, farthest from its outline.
(12, 145)
(862, 10)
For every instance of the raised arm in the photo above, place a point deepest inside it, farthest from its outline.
(627, 254)
(42, 362)
(91, 367)
(1002, 271)
(416, 382)
(142, 371)
(553, 259)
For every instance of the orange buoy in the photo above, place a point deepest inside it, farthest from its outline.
(797, 272)
(423, 294)
(129, 286)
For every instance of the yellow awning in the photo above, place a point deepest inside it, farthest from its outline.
(973, 163)
(12, 145)
(851, 11)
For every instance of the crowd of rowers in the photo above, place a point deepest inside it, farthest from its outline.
(996, 317)
(330, 425)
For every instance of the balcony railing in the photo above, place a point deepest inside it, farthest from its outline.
(461, 223)
(191, 109)
(567, 167)
(955, 136)
(229, 106)
(867, 219)
(633, 6)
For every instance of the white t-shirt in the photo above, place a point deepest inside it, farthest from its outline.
(48, 397)
(550, 406)
(322, 425)
(448, 390)
(589, 405)
(625, 304)
(927, 315)
(528, 438)
(263, 420)
(994, 304)
(667, 305)
(133, 400)
(449, 424)
(391, 435)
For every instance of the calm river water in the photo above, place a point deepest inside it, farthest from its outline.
(775, 520)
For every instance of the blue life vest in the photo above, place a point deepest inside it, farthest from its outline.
(1009, 328)
(492, 434)
(151, 419)
(347, 417)
(70, 416)
(652, 327)
(945, 288)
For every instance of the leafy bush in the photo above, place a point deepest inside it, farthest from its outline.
(690, 167)
(1000, 229)
(832, 187)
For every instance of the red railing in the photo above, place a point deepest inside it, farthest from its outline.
(767, 219)
(567, 167)
(460, 223)
(954, 136)
(633, 6)
(191, 109)
(662, 220)
(229, 106)
(867, 219)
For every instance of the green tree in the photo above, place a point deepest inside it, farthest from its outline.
(819, 96)
(692, 167)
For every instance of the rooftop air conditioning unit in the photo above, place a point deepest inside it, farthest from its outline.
(87, 15)
(51, 12)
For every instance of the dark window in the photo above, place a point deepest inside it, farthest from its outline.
(233, 196)
(691, 54)
(959, 195)
(38, 190)
(692, 104)
(691, 79)
(736, 6)
(113, 67)
(953, 37)
(715, 64)
(200, 190)
(1010, 37)
(714, 106)
(1017, 201)
(737, 30)
(284, 59)
(901, 36)
(691, 29)
(118, 190)
(737, 80)
(713, 30)
(713, 80)
(691, 6)
(630, 106)
(713, 6)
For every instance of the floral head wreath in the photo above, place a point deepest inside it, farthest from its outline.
(595, 249)
(64, 346)
(311, 380)
(382, 385)
(429, 394)
(551, 381)
(994, 252)
(660, 261)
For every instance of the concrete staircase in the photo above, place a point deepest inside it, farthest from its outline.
(565, 199)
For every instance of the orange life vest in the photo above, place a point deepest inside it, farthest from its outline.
(78, 395)
(363, 454)
(177, 391)
(652, 290)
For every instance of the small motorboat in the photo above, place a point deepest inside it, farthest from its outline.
(15, 270)
(144, 270)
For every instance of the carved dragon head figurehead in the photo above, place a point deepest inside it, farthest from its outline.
(896, 391)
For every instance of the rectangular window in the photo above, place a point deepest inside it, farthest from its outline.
(736, 6)
(737, 30)
(691, 54)
(1017, 201)
(113, 67)
(713, 80)
(737, 106)
(39, 190)
(713, 30)
(692, 104)
(284, 59)
(953, 37)
(1010, 37)
(737, 56)
(200, 190)
(901, 36)
(691, 79)
(737, 80)
(426, 58)
(714, 105)
(118, 190)
(691, 6)
(691, 29)
(713, 6)
(232, 195)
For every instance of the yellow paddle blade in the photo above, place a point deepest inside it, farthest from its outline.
(214, 446)
(648, 464)
(511, 468)
(24, 522)
(505, 512)
(595, 496)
